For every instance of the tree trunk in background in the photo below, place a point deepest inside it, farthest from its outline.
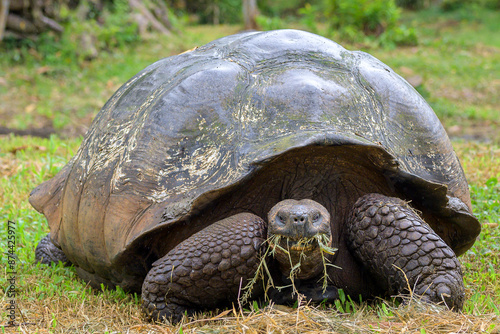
(250, 14)
(149, 16)
(28, 17)
(4, 11)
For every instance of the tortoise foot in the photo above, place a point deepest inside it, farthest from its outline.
(402, 252)
(207, 270)
(445, 286)
(47, 252)
(158, 310)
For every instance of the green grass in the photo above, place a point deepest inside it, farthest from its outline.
(481, 262)
(458, 59)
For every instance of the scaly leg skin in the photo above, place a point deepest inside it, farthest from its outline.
(206, 270)
(46, 252)
(389, 238)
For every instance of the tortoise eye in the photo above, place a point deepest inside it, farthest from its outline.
(280, 219)
(316, 217)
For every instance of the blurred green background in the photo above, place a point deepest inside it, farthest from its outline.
(56, 81)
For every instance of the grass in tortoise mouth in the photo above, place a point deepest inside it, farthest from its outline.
(304, 245)
(288, 244)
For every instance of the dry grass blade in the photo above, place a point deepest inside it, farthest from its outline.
(259, 276)
(99, 314)
(310, 319)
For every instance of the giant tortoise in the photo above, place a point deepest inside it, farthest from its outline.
(279, 148)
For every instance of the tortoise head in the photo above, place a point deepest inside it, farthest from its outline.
(297, 231)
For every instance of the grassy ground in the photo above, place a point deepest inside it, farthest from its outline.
(456, 66)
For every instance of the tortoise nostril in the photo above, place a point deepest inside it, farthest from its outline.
(300, 219)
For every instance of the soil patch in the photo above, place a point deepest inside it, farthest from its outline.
(43, 132)
(480, 131)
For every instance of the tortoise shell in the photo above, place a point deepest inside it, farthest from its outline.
(192, 138)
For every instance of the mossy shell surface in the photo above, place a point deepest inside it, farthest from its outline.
(192, 128)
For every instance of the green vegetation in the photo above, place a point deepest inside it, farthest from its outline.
(377, 18)
(481, 262)
(455, 66)
(46, 84)
(351, 20)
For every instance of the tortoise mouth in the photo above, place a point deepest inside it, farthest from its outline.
(295, 245)
(318, 243)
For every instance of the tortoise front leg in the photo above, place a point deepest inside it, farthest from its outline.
(392, 242)
(206, 270)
